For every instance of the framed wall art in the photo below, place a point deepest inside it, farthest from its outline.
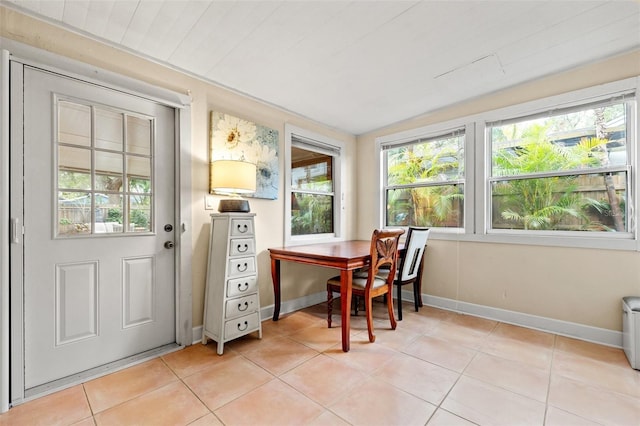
(232, 138)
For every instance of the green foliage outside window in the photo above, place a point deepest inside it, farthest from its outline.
(312, 214)
(551, 147)
(424, 185)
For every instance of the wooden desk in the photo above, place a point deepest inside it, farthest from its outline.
(345, 256)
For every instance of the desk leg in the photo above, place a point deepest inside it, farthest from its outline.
(275, 277)
(345, 302)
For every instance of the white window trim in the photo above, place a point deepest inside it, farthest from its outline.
(478, 156)
(338, 182)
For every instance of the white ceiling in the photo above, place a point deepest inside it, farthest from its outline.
(357, 65)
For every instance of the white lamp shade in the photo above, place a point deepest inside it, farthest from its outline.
(232, 177)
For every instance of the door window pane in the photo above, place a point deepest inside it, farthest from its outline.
(74, 213)
(74, 168)
(140, 213)
(138, 135)
(108, 171)
(74, 124)
(109, 127)
(108, 213)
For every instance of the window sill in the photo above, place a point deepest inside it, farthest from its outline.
(620, 243)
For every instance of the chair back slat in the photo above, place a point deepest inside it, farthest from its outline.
(384, 252)
(414, 250)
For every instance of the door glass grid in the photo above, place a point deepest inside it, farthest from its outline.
(104, 171)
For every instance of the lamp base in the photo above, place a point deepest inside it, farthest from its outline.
(234, 205)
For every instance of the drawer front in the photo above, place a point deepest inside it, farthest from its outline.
(242, 286)
(242, 266)
(240, 326)
(241, 227)
(241, 246)
(241, 306)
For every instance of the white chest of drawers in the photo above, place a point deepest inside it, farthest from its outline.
(232, 301)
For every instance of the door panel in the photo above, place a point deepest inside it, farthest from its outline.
(99, 285)
(76, 310)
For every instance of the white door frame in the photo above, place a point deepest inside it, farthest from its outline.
(4, 232)
(183, 250)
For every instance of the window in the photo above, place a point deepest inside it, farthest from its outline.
(557, 171)
(564, 170)
(314, 211)
(424, 181)
(104, 168)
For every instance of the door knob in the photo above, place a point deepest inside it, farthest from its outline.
(168, 244)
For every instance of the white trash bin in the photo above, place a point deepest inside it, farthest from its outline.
(631, 330)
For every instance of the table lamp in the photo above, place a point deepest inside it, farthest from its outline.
(232, 177)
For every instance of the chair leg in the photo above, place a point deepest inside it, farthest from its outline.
(329, 307)
(369, 311)
(417, 300)
(392, 316)
(399, 297)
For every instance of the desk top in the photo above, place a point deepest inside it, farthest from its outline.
(334, 250)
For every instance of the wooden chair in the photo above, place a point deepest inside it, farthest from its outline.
(410, 265)
(384, 254)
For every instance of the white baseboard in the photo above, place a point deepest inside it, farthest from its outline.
(197, 335)
(564, 328)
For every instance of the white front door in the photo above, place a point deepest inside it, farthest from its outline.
(99, 279)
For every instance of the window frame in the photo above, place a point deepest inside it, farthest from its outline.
(415, 137)
(626, 168)
(316, 142)
(433, 135)
(478, 159)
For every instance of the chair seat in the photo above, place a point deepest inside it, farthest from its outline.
(382, 274)
(358, 282)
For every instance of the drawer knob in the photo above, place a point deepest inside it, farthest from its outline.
(243, 228)
(243, 267)
(246, 325)
(242, 249)
(246, 306)
(243, 286)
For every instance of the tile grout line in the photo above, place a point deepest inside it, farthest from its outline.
(181, 379)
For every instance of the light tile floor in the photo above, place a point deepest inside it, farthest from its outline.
(437, 368)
